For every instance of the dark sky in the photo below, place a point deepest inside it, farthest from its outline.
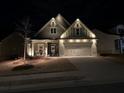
(100, 14)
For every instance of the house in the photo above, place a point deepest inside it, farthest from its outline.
(106, 43)
(12, 46)
(59, 38)
(119, 30)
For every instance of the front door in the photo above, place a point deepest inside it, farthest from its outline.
(53, 49)
(40, 50)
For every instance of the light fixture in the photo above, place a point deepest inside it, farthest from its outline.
(85, 40)
(71, 40)
(77, 40)
(94, 40)
(61, 41)
(93, 35)
(77, 19)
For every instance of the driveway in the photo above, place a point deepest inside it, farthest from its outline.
(93, 70)
(99, 69)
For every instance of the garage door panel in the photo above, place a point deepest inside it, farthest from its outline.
(77, 49)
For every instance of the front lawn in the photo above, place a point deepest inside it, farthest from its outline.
(37, 66)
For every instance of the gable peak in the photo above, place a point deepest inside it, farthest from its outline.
(53, 19)
(77, 20)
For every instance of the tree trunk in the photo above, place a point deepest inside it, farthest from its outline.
(25, 48)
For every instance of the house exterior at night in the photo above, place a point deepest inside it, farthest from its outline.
(60, 38)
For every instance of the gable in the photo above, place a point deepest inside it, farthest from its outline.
(78, 30)
(45, 31)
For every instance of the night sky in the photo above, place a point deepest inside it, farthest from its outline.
(100, 14)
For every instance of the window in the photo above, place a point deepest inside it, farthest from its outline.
(53, 30)
(77, 31)
(77, 25)
(122, 42)
(117, 44)
(53, 27)
(53, 24)
(120, 31)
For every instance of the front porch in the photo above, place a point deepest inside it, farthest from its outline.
(43, 48)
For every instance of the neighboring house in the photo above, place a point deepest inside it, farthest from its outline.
(119, 30)
(106, 42)
(12, 46)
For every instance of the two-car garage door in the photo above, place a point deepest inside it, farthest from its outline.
(77, 49)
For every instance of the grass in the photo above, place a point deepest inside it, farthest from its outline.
(117, 58)
(40, 66)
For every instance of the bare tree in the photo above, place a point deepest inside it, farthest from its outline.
(25, 28)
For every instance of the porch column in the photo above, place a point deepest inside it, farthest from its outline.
(46, 50)
(32, 49)
(94, 48)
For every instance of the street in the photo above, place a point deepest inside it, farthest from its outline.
(107, 88)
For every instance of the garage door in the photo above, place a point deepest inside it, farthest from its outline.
(77, 49)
